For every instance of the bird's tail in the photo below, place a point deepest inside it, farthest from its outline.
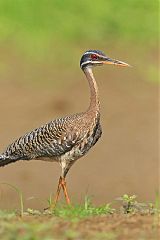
(4, 160)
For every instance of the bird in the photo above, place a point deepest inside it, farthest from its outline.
(66, 139)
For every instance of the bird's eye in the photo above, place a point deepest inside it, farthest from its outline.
(94, 56)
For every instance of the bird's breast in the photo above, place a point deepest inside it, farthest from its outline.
(92, 137)
(80, 149)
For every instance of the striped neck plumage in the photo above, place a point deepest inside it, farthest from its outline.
(94, 96)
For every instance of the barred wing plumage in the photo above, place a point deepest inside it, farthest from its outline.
(50, 140)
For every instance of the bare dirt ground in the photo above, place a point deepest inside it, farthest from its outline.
(125, 160)
(112, 227)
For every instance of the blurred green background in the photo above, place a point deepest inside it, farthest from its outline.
(41, 43)
(57, 32)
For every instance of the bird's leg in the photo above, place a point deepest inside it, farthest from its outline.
(58, 191)
(63, 184)
(53, 205)
(65, 168)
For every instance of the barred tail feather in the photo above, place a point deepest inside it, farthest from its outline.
(4, 160)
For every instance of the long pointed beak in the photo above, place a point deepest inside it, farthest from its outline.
(115, 62)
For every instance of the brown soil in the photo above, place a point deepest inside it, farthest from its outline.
(114, 227)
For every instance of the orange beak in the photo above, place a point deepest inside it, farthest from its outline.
(115, 62)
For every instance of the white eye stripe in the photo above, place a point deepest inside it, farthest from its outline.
(87, 62)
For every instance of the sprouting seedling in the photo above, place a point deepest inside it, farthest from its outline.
(157, 201)
(19, 192)
(51, 204)
(49, 200)
(87, 202)
(129, 203)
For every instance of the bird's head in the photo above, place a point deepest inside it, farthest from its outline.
(92, 58)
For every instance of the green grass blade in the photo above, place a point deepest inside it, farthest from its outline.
(19, 192)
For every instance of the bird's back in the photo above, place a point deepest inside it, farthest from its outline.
(55, 139)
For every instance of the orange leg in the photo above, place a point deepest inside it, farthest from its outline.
(58, 191)
(63, 184)
(53, 205)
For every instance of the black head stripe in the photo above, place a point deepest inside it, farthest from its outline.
(86, 59)
(95, 52)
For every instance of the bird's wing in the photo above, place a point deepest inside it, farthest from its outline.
(50, 140)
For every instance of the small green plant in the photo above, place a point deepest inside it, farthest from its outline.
(130, 204)
(7, 215)
(50, 201)
(19, 192)
(76, 212)
(157, 202)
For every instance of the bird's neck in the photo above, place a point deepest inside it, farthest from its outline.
(94, 96)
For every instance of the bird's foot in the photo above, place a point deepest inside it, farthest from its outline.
(50, 208)
(61, 184)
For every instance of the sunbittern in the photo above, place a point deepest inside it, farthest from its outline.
(66, 139)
